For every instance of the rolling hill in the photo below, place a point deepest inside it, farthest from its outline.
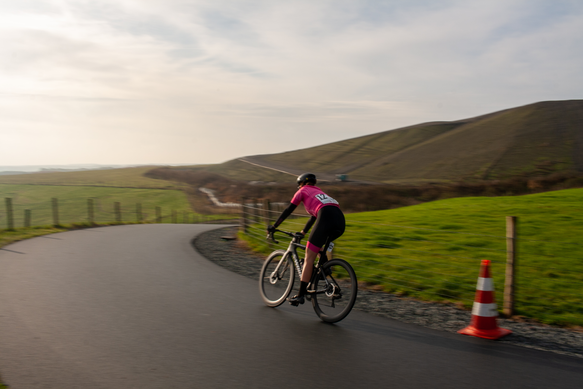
(533, 140)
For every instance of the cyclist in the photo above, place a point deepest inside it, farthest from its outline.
(329, 225)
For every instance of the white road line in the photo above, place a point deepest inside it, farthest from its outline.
(266, 167)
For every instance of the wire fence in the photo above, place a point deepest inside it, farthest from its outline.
(95, 211)
(443, 265)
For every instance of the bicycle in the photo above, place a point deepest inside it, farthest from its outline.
(332, 288)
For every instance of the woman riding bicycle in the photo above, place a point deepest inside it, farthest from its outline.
(329, 225)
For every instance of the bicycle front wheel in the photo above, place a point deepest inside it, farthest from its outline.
(277, 278)
(335, 295)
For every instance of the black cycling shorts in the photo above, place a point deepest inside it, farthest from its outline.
(329, 226)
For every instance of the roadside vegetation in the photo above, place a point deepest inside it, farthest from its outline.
(432, 251)
(365, 197)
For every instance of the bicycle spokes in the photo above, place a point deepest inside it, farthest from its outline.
(276, 279)
(334, 294)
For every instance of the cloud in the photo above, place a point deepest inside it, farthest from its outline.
(251, 77)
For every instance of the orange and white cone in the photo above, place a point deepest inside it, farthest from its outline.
(485, 312)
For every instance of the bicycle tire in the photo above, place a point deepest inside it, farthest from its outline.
(275, 289)
(334, 302)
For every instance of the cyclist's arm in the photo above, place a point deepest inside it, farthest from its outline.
(309, 225)
(286, 212)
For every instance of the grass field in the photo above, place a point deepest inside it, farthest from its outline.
(72, 202)
(432, 251)
(122, 178)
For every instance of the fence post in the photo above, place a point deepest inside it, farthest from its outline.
(243, 215)
(117, 209)
(267, 212)
(158, 215)
(55, 203)
(90, 211)
(27, 218)
(174, 217)
(9, 214)
(510, 281)
(255, 205)
(139, 216)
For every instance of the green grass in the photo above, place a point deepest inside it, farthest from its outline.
(73, 208)
(432, 251)
(7, 237)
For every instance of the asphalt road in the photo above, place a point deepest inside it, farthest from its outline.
(137, 307)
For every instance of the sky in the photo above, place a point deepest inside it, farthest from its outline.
(194, 82)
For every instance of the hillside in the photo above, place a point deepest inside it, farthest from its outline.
(121, 178)
(533, 140)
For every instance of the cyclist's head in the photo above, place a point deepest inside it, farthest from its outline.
(306, 179)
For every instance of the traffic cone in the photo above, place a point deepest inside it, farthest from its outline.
(485, 312)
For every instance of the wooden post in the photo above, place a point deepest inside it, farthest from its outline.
(254, 216)
(55, 203)
(9, 214)
(174, 217)
(139, 216)
(27, 218)
(510, 281)
(117, 209)
(243, 215)
(90, 211)
(267, 212)
(158, 215)
(184, 217)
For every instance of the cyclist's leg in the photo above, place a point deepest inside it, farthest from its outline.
(329, 223)
(312, 250)
(329, 226)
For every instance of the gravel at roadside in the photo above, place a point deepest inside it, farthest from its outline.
(230, 255)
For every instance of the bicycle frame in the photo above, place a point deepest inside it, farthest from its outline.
(292, 249)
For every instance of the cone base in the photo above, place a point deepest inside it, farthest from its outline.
(496, 333)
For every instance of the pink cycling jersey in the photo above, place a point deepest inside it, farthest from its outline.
(313, 198)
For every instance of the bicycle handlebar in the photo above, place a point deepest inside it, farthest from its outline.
(292, 235)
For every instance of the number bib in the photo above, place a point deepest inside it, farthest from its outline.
(325, 199)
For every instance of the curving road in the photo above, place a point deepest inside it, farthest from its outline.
(137, 307)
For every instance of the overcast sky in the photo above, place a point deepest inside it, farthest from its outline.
(187, 81)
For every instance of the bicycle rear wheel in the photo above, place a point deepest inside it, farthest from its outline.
(335, 297)
(276, 279)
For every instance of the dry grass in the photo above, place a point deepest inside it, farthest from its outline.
(120, 178)
(534, 140)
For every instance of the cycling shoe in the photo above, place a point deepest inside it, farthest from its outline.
(296, 300)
